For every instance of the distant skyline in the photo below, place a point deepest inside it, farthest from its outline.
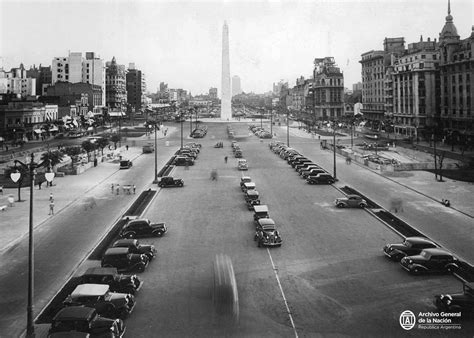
(180, 42)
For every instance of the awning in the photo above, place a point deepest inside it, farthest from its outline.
(116, 113)
(53, 128)
(38, 131)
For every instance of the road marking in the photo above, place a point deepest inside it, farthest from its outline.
(283, 294)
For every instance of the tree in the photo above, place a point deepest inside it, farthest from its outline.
(115, 138)
(102, 143)
(88, 147)
(55, 157)
(73, 152)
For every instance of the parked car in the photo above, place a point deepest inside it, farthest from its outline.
(168, 181)
(86, 319)
(350, 201)
(124, 260)
(266, 233)
(312, 172)
(117, 282)
(321, 178)
(238, 154)
(430, 261)
(457, 302)
(300, 162)
(183, 160)
(411, 246)
(142, 228)
(260, 211)
(242, 164)
(244, 179)
(148, 148)
(125, 164)
(252, 198)
(248, 186)
(136, 247)
(106, 303)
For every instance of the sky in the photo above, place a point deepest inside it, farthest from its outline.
(180, 42)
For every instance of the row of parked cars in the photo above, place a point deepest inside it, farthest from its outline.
(260, 131)
(236, 149)
(420, 255)
(103, 297)
(311, 172)
(266, 233)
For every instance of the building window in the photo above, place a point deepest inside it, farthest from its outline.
(423, 56)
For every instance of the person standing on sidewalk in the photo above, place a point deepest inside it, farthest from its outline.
(225, 159)
(51, 207)
(112, 186)
(51, 197)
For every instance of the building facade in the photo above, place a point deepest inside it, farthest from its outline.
(328, 89)
(136, 88)
(17, 82)
(115, 86)
(236, 85)
(66, 94)
(43, 76)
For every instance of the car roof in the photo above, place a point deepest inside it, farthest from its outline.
(125, 242)
(116, 251)
(90, 290)
(74, 312)
(437, 251)
(418, 239)
(100, 271)
(244, 178)
(249, 184)
(266, 222)
(252, 192)
(242, 160)
(260, 208)
(353, 195)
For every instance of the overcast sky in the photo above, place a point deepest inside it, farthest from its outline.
(179, 42)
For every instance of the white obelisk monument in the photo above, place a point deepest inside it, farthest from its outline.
(226, 112)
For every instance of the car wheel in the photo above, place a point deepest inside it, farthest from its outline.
(130, 235)
(159, 233)
(181, 184)
(362, 205)
(340, 205)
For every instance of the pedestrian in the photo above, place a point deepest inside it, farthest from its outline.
(134, 189)
(51, 197)
(225, 159)
(40, 182)
(118, 189)
(10, 200)
(112, 186)
(6, 147)
(126, 146)
(51, 207)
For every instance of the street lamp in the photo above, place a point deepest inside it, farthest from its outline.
(181, 119)
(334, 148)
(156, 157)
(15, 176)
(287, 128)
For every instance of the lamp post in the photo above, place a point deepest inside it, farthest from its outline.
(181, 119)
(334, 148)
(376, 144)
(271, 122)
(287, 127)
(156, 157)
(30, 329)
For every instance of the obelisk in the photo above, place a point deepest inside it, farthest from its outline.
(226, 112)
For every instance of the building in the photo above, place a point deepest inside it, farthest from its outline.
(74, 69)
(456, 118)
(66, 94)
(412, 88)
(213, 93)
(236, 85)
(43, 76)
(357, 87)
(17, 82)
(374, 64)
(115, 86)
(277, 87)
(328, 90)
(136, 88)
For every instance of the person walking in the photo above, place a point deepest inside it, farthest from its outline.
(134, 189)
(118, 189)
(51, 207)
(112, 187)
(225, 159)
(51, 197)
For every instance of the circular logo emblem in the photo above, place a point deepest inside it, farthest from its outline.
(407, 320)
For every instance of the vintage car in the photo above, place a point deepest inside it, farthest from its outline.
(117, 282)
(148, 148)
(252, 198)
(106, 303)
(85, 319)
(456, 302)
(238, 154)
(411, 246)
(125, 164)
(135, 247)
(142, 227)
(183, 161)
(242, 164)
(430, 261)
(244, 179)
(124, 260)
(312, 171)
(350, 201)
(260, 211)
(168, 181)
(248, 186)
(321, 178)
(266, 233)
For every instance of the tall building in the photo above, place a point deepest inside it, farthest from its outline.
(213, 93)
(74, 68)
(43, 76)
(116, 86)
(17, 82)
(328, 89)
(226, 111)
(456, 82)
(236, 85)
(374, 64)
(136, 87)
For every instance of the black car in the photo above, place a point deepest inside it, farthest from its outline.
(312, 172)
(300, 162)
(411, 246)
(430, 261)
(135, 247)
(124, 260)
(456, 302)
(303, 166)
(117, 282)
(183, 161)
(252, 198)
(168, 181)
(86, 319)
(142, 228)
(260, 211)
(266, 233)
(125, 164)
(320, 178)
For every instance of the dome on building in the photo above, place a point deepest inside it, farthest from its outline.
(449, 30)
